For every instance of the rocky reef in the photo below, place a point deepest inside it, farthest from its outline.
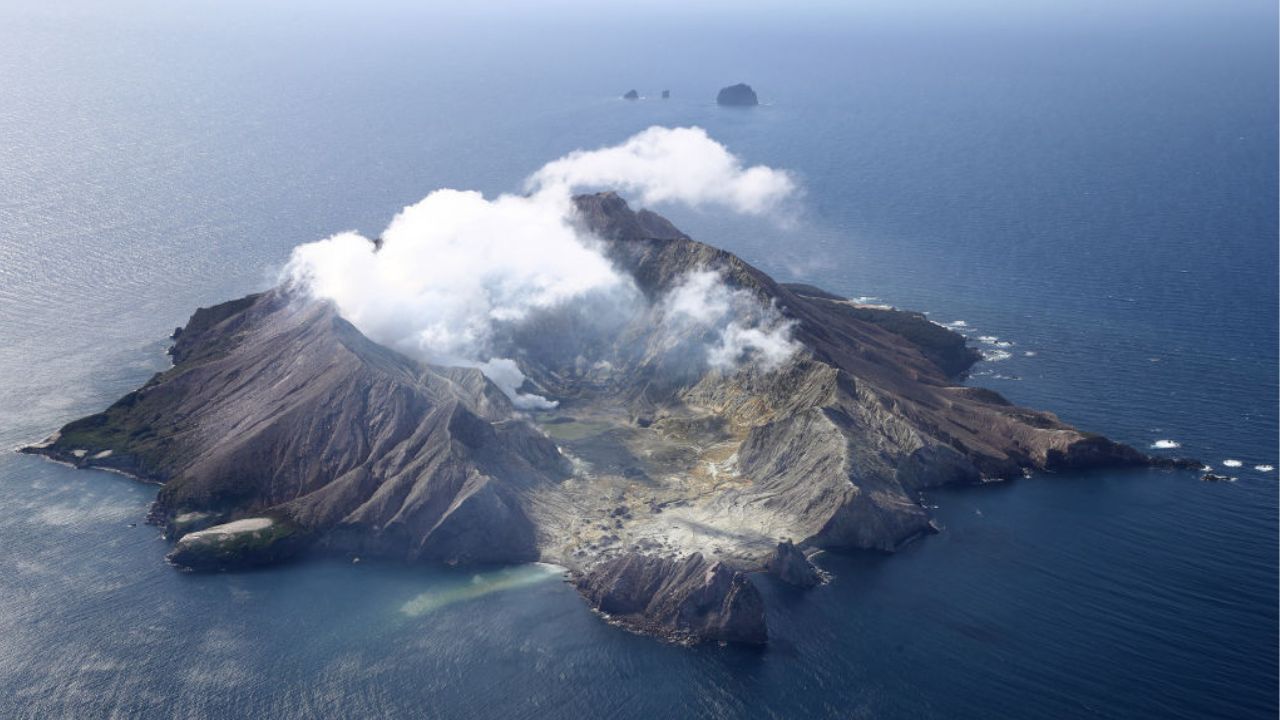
(660, 485)
(740, 95)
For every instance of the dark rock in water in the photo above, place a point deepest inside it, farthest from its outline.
(740, 95)
(790, 565)
(631, 95)
(1215, 477)
(666, 94)
(1178, 463)
(689, 600)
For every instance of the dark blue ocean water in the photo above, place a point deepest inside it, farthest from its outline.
(1095, 184)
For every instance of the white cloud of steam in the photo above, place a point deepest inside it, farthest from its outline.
(456, 267)
(450, 267)
(669, 165)
(507, 376)
(747, 332)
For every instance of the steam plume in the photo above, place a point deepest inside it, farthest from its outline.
(456, 266)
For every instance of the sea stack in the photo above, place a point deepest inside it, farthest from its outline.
(666, 94)
(740, 95)
(631, 95)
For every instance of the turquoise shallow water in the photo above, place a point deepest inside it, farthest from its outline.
(1097, 188)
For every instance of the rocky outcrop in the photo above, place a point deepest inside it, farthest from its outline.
(740, 95)
(251, 542)
(790, 566)
(631, 95)
(689, 600)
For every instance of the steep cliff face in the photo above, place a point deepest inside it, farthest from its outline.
(789, 565)
(684, 600)
(658, 481)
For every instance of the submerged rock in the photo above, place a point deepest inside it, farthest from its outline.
(689, 600)
(790, 566)
(740, 95)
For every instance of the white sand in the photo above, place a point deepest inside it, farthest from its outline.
(232, 528)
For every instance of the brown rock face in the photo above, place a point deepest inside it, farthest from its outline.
(790, 566)
(689, 600)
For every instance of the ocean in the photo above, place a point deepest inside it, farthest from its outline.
(1091, 190)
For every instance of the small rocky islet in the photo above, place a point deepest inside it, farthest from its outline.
(740, 95)
(282, 430)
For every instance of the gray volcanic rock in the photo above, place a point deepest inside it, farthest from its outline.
(277, 404)
(278, 408)
(790, 566)
(689, 600)
(740, 95)
(631, 95)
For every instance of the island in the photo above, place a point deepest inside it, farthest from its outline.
(660, 486)
(740, 95)
(631, 95)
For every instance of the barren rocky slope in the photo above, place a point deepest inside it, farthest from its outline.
(659, 481)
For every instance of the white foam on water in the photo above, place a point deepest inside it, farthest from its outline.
(996, 355)
(1165, 445)
(1264, 468)
(1029, 353)
(989, 339)
(1231, 463)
